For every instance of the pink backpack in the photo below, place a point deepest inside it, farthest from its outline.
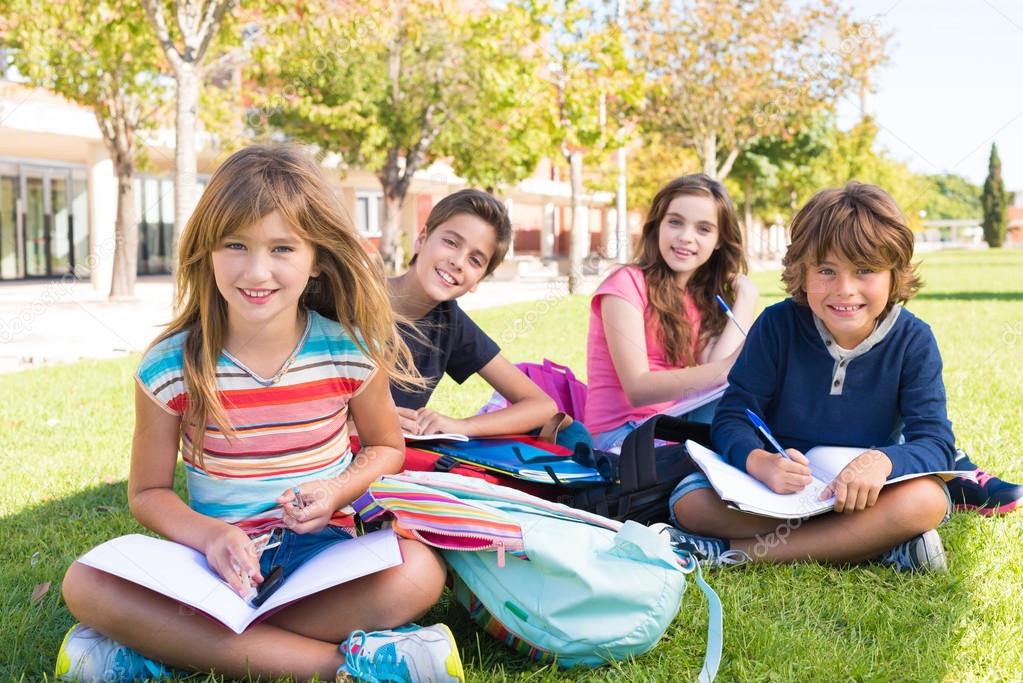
(557, 381)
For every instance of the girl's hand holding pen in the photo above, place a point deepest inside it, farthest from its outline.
(308, 507)
(229, 553)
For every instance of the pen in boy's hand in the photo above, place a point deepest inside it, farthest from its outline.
(729, 314)
(762, 427)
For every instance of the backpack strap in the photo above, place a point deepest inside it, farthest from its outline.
(637, 464)
(715, 629)
(550, 429)
(688, 564)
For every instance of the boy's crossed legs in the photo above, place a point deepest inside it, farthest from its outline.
(903, 511)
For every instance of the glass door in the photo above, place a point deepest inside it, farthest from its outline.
(36, 221)
(61, 256)
(9, 252)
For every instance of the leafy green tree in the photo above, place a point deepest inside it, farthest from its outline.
(185, 43)
(392, 85)
(588, 71)
(100, 54)
(784, 172)
(995, 202)
(951, 197)
(724, 74)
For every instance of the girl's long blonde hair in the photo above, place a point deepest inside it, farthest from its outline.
(713, 277)
(250, 184)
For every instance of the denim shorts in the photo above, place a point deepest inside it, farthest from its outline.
(612, 439)
(297, 548)
(698, 480)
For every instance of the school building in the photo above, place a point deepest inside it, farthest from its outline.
(58, 198)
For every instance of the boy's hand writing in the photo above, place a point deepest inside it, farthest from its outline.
(230, 554)
(432, 422)
(857, 486)
(310, 508)
(407, 420)
(778, 473)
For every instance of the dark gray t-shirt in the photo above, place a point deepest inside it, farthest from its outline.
(453, 344)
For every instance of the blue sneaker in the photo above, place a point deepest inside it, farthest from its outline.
(710, 552)
(410, 654)
(88, 656)
(981, 492)
(923, 553)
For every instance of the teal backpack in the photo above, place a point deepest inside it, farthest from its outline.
(552, 582)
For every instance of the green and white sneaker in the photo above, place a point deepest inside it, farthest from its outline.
(88, 656)
(923, 553)
(410, 654)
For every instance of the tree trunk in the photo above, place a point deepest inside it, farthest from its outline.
(579, 241)
(126, 232)
(747, 206)
(622, 210)
(709, 155)
(185, 160)
(390, 244)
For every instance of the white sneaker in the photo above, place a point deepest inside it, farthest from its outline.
(88, 656)
(923, 553)
(410, 654)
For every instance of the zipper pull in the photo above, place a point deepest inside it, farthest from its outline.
(500, 554)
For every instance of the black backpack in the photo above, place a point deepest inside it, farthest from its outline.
(641, 477)
(644, 475)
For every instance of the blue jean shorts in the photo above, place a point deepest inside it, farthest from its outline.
(698, 480)
(295, 548)
(612, 439)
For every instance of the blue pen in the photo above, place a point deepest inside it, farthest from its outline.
(762, 427)
(728, 312)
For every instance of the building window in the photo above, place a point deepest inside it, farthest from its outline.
(368, 209)
(44, 220)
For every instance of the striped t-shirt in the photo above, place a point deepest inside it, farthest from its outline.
(289, 429)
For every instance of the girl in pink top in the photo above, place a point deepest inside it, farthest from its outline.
(656, 332)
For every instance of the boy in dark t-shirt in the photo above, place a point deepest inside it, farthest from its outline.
(465, 238)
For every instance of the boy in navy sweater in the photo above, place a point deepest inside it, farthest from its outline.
(843, 363)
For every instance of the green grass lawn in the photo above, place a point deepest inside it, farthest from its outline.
(65, 434)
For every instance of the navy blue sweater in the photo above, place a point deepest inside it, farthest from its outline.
(787, 375)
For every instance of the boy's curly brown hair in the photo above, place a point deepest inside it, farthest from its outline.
(859, 222)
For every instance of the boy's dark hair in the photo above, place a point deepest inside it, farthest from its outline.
(863, 224)
(484, 206)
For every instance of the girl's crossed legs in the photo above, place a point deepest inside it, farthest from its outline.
(300, 641)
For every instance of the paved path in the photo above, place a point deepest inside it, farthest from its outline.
(56, 321)
(47, 322)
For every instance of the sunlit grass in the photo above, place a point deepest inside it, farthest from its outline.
(65, 433)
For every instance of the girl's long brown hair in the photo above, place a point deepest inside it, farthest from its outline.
(252, 183)
(713, 277)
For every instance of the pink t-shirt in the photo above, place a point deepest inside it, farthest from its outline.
(607, 406)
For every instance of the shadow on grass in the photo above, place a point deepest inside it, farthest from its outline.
(781, 623)
(42, 541)
(971, 296)
(39, 544)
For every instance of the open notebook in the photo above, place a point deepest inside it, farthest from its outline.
(695, 400)
(435, 437)
(181, 573)
(749, 494)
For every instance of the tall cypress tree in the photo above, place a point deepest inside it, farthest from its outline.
(994, 202)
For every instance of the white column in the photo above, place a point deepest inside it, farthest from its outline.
(102, 217)
(547, 230)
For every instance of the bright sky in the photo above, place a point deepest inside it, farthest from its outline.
(953, 85)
